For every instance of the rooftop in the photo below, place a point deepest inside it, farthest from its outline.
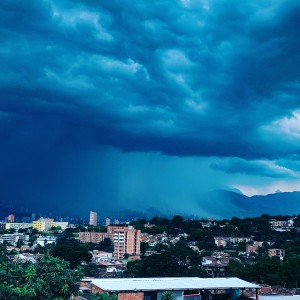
(171, 283)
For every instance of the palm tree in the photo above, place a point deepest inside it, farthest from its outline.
(167, 296)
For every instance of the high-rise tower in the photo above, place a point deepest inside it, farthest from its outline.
(93, 218)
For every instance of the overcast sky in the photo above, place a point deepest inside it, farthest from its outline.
(135, 104)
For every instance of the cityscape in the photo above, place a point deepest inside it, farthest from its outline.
(171, 248)
(149, 150)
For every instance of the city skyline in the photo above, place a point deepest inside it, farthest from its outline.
(137, 105)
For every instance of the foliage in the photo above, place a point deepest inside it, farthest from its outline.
(268, 270)
(43, 250)
(144, 247)
(167, 296)
(178, 260)
(96, 228)
(105, 245)
(49, 278)
(91, 270)
(103, 296)
(72, 251)
(139, 224)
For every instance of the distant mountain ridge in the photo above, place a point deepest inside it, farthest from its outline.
(226, 204)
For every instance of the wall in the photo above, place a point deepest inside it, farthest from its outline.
(96, 290)
(130, 296)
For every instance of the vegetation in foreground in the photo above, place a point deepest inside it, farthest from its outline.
(48, 278)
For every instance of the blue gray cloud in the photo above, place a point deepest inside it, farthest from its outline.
(260, 167)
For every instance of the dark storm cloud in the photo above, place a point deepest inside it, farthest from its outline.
(191, 78)
(184, 78)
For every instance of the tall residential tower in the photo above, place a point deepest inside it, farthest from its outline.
(93, 218)
(125, 240)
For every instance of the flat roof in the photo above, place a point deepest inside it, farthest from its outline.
(171, 283)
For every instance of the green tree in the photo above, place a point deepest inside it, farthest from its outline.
(72, 251)
(49, 278)
(103, 296)
(91, 270)
(178, 260)
(105, 245)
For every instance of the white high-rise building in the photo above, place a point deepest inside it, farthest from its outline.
(93, 218)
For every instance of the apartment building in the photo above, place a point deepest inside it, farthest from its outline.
(125, 240)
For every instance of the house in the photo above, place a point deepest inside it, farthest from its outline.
(282, 225)
(183, 288)
(277, 253)
(101, 256)
(254, 247)
(215, 264)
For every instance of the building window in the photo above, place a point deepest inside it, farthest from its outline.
(150, 296)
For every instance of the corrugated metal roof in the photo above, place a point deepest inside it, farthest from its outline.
(171, 283)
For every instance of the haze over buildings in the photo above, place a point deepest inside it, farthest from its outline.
(140, 104)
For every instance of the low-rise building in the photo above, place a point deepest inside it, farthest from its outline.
(92, 237)
(13, 238)
(286, 225)
(101, 256)
(223, 241)
(62, 225)
(45, 240)
(26, 257)
(182, 288)
(2, 226)
(252, 248)
(44, 224)
(18, 226)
